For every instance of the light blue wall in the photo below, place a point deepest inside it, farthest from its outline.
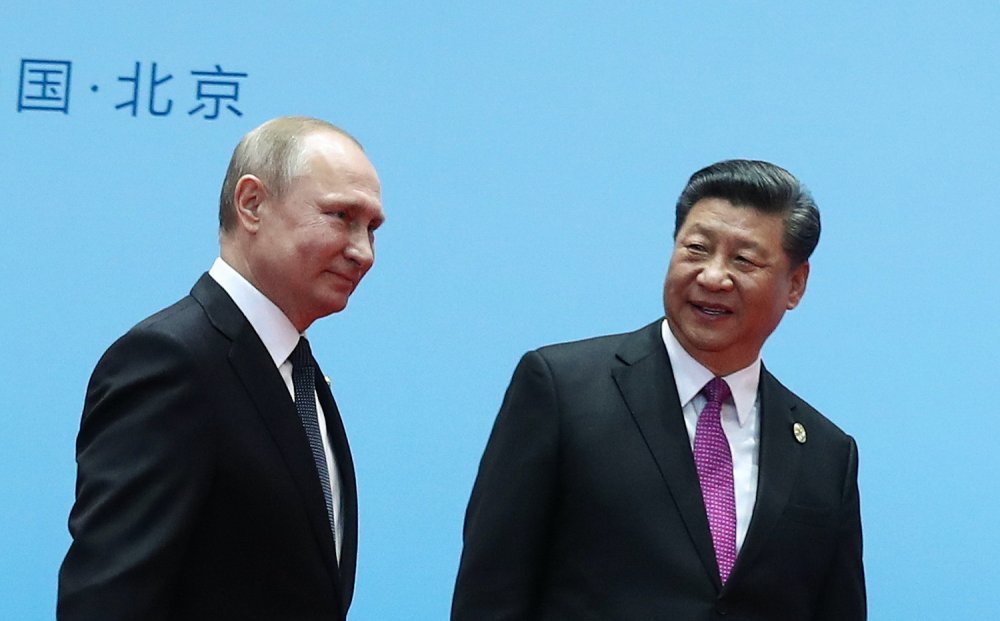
(530, 157)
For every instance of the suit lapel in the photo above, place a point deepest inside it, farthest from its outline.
(348, 486)
(253, 365)
(779, 461)
(646, 383)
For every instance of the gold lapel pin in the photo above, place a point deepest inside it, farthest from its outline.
(799, 432)
(327, 378)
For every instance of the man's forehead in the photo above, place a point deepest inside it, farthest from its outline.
(327, 143)
(747, 219)
(334, 153)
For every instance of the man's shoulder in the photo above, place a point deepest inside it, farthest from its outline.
(809, 415)
(184, 310)
(601, 347)
(183, 320)
(596, 343)
(189, 318)
(165, 332)
(183, 329)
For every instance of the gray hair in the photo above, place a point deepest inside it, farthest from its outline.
(271, 152)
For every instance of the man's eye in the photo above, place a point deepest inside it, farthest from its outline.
(699, 248)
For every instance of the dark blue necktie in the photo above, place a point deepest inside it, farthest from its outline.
(304, 382)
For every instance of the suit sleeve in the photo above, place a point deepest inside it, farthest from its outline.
(144, 467)
(843, 596)
(507, 523)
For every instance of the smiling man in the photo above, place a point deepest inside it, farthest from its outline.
(665, 473)
(214, 478)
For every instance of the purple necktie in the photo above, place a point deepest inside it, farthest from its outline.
(714, 462)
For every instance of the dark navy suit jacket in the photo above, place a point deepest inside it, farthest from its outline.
(197, 495)
(587, 503)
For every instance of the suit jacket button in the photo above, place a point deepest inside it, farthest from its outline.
(721, 609)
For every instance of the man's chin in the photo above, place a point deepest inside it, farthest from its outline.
(332, 305)
(336, 308)
(703, 341)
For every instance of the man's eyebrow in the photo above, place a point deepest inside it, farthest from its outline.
(348, 200)
(742, 242)
(358, 204)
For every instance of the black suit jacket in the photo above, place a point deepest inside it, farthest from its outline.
(587, 503)
(197, 495)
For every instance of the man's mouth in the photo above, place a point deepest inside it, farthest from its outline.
(712, 310)
(347, 279)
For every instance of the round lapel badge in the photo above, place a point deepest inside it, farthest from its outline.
(799, 432)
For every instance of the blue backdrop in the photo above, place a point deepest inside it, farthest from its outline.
(530, 157)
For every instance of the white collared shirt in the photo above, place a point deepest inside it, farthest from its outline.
(740, 420)
(279, 337)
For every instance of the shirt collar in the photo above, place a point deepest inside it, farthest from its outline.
(690, 376)
(272, 326)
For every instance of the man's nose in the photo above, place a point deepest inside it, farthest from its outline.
(715, 276)
(361, 249)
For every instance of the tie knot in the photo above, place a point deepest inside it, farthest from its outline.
(717, 390)
(301, 355)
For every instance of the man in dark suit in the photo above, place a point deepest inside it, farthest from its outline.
(614, 487)
(215, 479)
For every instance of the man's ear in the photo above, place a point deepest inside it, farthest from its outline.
(249, 195)
(799, 276)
